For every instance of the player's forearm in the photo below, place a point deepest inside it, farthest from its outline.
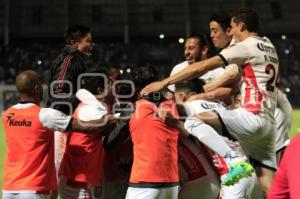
(96, 126)
(195, 70)
(214, 95)
(231, 75)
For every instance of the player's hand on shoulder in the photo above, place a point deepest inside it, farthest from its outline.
(168, 118)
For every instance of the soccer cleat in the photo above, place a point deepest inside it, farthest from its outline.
(238, 171)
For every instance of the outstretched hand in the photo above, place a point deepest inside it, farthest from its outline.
(167, 117)
(153, 87)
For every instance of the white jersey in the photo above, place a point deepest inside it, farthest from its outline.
(258, 59)
(207, 77)
(200, 106)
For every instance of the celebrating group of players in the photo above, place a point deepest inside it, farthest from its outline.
(214, 129)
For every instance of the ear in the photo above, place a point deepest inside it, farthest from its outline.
(36, 88)
(242, 26)
(204, 50)
(74, 43)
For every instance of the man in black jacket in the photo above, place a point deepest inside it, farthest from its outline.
(64, 75)
(67, 67)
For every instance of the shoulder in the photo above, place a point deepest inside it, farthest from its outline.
(179, 67)
(91, 112)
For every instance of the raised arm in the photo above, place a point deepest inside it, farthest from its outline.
(194, 70)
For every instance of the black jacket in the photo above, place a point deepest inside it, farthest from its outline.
(66, 68)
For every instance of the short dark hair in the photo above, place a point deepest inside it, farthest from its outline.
(204, 40)
(247, 16)
(92, 83)
(191, 86)
(75, 33)
(223, 19)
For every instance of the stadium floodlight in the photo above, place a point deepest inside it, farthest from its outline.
(161, 36)
(287, 51)
(283, 37)
(181, 40)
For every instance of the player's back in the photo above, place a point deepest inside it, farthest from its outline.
(154, 146)
(258, 58)
(263, 67)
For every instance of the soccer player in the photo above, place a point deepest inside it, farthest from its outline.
(82, 163)
(246, 187)
(220, 34)
(154, 173)
(219, 26)
(253, 124)
(196, 48)
(29, 170)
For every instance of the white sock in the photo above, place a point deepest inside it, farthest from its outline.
(208, 136)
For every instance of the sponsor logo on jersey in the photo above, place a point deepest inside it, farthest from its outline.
(12, 122)
(211, 106)
(265, 48)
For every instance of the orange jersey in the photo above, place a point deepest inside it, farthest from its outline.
(29, 159)
(155, 155)
(83, 157)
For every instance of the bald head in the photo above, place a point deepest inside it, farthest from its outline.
(27, 82)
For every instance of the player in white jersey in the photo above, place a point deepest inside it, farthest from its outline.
(253, 124)
(219, 31)
(201, 187)
(246, 188)
(196, 47)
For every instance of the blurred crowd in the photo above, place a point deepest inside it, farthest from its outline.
(159, 53)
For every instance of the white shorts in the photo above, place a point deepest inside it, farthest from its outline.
(255, 134)
(152, 193)
(71, 192)
(7, 195)
(283, 118)
(246, 188)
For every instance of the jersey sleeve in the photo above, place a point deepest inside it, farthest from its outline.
(53, 119)
(235, 54)
(91, 112)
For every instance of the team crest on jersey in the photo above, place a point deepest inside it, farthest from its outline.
(12, 122)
